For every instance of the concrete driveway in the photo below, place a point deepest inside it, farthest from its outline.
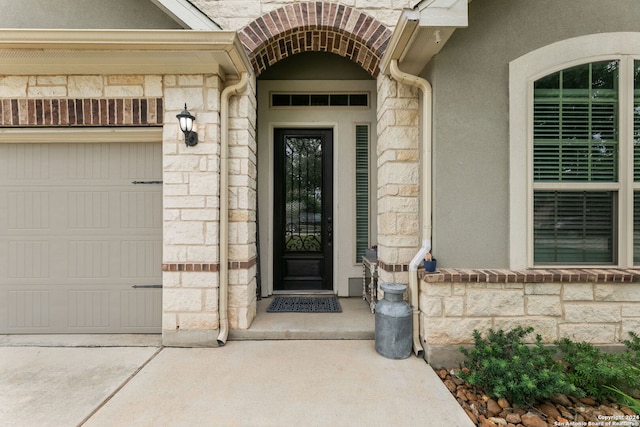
(245, 383)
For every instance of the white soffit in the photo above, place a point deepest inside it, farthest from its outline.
(186, 14)
(28, 52)
(422, 32)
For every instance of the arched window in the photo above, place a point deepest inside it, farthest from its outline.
(575, 156)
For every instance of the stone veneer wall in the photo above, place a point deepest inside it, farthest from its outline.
(233, 14)
(597, 306)
(191, 213)
(398, 178)
(242, 208)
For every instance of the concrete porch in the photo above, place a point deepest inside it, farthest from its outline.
(355, 322)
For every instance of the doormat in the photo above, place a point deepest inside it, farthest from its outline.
(304, 305)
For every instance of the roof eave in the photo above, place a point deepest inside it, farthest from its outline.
(37, 51)
(422, 32)
(186, 14)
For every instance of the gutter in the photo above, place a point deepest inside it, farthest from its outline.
(420, 34)
(427, 98)
(223, 290)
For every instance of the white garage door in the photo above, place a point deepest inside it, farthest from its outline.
(80, 238)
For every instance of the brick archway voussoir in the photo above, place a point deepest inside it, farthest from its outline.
(315, 27)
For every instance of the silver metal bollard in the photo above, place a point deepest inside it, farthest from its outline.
(393, 323)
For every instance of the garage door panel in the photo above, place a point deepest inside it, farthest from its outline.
(89, 161)
(89, 308)
(140, 308)
(25, 162)
(88, 209)
(138, 209)
(138, 162)
(89, 259)
(28, 309)
(27, 209)
(28, 259)
(79, 238)
(139, 258)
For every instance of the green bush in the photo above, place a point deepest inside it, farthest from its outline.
(633, 345)
(591, 369)
(506, 367)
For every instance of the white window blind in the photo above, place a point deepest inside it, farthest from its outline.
(576, 165)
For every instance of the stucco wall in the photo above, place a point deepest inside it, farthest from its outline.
(84, 14)
(471, 137)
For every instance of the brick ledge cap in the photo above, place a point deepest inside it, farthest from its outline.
(605, 275)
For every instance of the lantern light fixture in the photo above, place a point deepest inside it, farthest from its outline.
(186, 126)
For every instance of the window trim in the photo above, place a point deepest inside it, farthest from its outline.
(523, 72)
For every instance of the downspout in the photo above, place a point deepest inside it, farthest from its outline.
(223, 289)
(427, 97)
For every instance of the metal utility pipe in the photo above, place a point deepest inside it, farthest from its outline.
(223, 289)
(427, 98)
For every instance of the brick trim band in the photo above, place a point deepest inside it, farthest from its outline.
(392, 268)
(315, 27)
(533, 276)
(212, 267)
(22, 112)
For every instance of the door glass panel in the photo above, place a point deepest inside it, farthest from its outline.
(303, 194)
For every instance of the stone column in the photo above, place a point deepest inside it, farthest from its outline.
(242, 208)
(191, 213)
(398, 178)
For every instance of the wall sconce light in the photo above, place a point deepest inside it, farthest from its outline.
(186, 126)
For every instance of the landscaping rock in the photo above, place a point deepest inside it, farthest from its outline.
(493, 408)
(588, 401)
(560, 399)
(550, 411)
(513, 418)
(484, 411)
(504, 403)
(532, 420)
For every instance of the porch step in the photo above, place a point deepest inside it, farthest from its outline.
(355, 322)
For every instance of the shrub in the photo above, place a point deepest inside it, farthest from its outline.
(592, 369)
(633, 345)
(506, 367)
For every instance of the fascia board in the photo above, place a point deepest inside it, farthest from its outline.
(400, 38)
(121, 51)
(444, 13)
(186, 14)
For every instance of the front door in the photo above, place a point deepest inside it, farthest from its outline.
(303, 216)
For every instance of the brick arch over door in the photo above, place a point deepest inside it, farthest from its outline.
(315, 27)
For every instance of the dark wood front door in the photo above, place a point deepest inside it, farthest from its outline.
(303, 217)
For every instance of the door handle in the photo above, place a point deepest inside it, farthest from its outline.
(329, 231)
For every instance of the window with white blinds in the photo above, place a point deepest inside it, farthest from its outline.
(362, 191)
(586, 164)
